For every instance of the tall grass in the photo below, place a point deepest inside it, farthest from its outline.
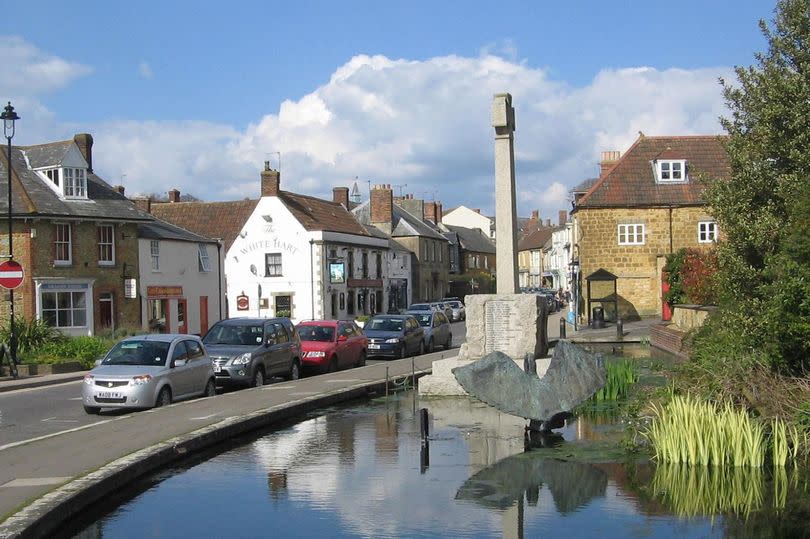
(687, 430)
(620, 375)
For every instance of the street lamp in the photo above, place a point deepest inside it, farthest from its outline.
(9, 117)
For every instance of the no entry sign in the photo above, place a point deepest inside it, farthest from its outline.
(11, 274)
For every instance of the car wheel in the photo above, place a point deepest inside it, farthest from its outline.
(421, 348)
(92, 410)
(210, 388)
(449, 342)
(333, 365)
(295, 371)
(258, 378)
(164, 398)
(361, 361)
(403, 351)
(430, 345)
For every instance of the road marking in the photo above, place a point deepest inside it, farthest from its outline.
(35, 481)
(46, 436)
(349, 381)
(27, 389)
(205, 417)
(61, 420)
(76, 399)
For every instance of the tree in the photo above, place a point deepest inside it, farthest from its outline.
(759, 208)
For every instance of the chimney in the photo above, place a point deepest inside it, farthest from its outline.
(562, 215)
(341, 196)
(535, 215)
(381, 201)
(85, 143)
(609, 159)
(439, 212)
(477, 210)
(174, 196)
(143, 204)
(548, 223)
(271, 179)
(414, 206)
(119, 189)
(431, 209)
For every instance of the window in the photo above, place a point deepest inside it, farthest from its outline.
(364, 266)
(671, 170)
(334, 304)
(75, 183)
(283, 305)
(203, 263)
(632, 234)
(194, 349)
(272, 265)
(53, 175)
(154, 249)
(707, 231)
(379, 265)
(64, 309)
(62, 244)
(436, 250)
(106, 245)
(350, 303)
(350, 258)
(342, 301)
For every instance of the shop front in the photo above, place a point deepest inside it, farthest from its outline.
(166, 309)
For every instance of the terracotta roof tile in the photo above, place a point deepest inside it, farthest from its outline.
(631, 182)
(535, 240)
(209, 219)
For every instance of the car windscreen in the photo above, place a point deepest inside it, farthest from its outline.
(384, 324)
(138, 353)
(455, 304)
(423, 319)
(419, 307)
(233, 334)
(316, 333)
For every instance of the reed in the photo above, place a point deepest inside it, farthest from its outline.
(689, 431)
(620, 375)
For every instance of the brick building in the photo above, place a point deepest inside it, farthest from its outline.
(644, 205)
(74, 235)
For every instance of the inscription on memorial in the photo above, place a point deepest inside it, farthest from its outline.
(501, 326)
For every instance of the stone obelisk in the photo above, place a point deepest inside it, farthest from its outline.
(503, 120)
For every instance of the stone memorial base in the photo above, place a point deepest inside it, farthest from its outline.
(515, 324)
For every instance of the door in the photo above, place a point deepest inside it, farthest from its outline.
(105, 311)
(181, 375)
(203, 315)
(280, 354)
(182, 324)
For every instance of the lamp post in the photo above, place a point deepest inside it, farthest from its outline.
(9, 117)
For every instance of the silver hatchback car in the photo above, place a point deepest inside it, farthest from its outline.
(149, 370)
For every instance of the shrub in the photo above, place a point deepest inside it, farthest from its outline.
(691, 276)
(31, 334)
(83, 349)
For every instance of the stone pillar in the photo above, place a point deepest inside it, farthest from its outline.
(503, 120)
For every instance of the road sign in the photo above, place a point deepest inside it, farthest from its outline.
(11, 274)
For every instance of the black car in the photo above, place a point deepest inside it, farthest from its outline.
(394, 335)
(247, 351)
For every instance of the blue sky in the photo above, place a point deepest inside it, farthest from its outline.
(196, 95)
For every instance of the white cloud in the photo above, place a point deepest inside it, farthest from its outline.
(35, 72)
(145, 70)
(421, 123)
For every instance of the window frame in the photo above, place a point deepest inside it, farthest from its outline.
(154, 254)
(72, 309)
(102, 244)
(277, 265)
(669, 164)
(203, 260)
(636, 234)
(64, 244)
(74, 182)
(703, 235)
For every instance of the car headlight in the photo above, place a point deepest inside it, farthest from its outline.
(394, 340)
(316, 354)
(243, 359)
(140, 380)
(89, 379)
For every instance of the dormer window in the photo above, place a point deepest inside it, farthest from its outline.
(53, 175)
(671, 170)
(69, 182)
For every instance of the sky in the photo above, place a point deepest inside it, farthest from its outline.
(198, 95)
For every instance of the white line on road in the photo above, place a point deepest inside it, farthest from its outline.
(204, 417)
(61, 420)
(46, 436)
(27, 389)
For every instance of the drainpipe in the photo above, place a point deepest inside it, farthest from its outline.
(312, 275)
(219, 275)
(671, 250)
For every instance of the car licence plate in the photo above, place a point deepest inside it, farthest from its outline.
(373, 346)
(217, 368)
(109, 395)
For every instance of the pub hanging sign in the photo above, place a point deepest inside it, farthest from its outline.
(130, 288)
(242, 303)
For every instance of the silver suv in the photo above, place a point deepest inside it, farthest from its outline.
(247, 351)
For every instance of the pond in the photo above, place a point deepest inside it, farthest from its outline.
(362, 470)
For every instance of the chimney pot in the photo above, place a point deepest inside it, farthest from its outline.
(609, 158)
(563, 217)
(119, 189)
(535, 215)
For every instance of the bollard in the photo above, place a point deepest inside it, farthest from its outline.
(423, 424)
(424, 457)
(562, 328)
(529, 364)
(386, 381)
(619, 329)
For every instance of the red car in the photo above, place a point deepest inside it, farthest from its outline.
(329, 345)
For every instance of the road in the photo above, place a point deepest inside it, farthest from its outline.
(27, 414)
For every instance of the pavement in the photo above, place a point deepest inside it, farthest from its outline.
(63, 473)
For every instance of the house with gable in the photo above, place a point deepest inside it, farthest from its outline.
(74, 235)
(645, 205)
(288, 254)
(470, 218)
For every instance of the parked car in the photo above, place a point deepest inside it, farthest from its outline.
(436, 327)
(459, 312)
(247, 351)
(442, 307)
(149, 370)
(329, 345)
(394, 335)
(423, 307)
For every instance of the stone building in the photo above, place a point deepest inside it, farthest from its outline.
(76, 238)
(646, 204)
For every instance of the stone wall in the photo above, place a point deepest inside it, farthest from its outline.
(638, 267)
(689, 317)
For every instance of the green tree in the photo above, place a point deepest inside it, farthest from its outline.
(759, 208)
